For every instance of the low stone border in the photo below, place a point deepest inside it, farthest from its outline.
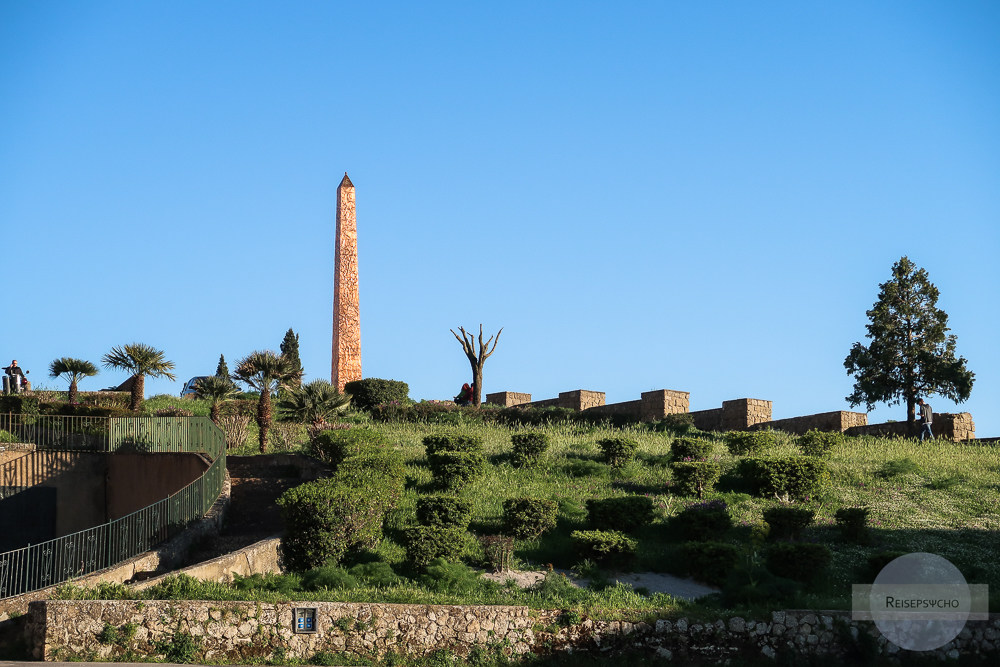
(240, 632)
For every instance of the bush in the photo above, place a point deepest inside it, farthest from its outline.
(799, 477)
(333, 446)
(425, 543)
(786, 523)
(694, 478)
(173, 411)
(710, 562)
(370, 392)
(82, 410)
(19, 404)
(527, 518)
(819, 443)
(498, 552)
(749, 442)
(7, 436)
(618, 451)
(328, 576)
(703, 522)
(896, 467)
(608, 547)
(449, 442)
(853, 524)
(453, 470)
(802, 562)
(679, 423)
(382, 473)
(625, 514)
(325, 519)
(528, 448)
(690, 449)
(444, 511)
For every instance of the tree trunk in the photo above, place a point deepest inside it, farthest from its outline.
(215, 412)
(72, 391)
(138, 389)
(477, 385)
(264, 418)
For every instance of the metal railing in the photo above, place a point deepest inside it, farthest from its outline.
(56, 561)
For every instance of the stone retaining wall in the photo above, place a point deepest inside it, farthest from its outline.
(958, 427)
(839, 420)
(239, 632)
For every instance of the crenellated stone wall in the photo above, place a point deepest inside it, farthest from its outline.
(508, 399)
(243, 632)
(839, 420)
(958, 427)
(742, 413)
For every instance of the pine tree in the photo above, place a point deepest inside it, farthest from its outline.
(290, 351)
(222, 370)
(911, 353)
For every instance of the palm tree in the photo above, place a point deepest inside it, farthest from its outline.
(264, 371)
(140, 360)
(215, 389)
(74, 370)
(313, 402)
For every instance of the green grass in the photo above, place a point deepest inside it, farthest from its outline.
(940, 497)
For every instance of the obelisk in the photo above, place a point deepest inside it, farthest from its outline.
(346, 362)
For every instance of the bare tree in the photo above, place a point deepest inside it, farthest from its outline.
(477, 359)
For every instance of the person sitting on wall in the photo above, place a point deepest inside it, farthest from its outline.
(926, 418)
(15, 377)
(465, 396)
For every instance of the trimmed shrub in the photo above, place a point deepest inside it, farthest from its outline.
(797, 477)
(786, 523)
(333, 446)
(453, 470)
(618, 451)
(678, 423)
(528, 448)
(853, 524)
(324, 519)
(382, 473)
(625, 514)
(878, 561)
(440, 510)
(173, 411)
(82, 410)
(367, 393)
(527, 518)
(819, 443)
(425, 543)
(694, 478)
(749, 442)
(690, 449)
(7, 436)
(702, 522)
(450, 442)
(19, 404)
(710, 562)
(800, 561)
(608, 547)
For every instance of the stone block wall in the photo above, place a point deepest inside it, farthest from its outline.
(241, 632)
(839, 420)
(658, 404)
(630, 409)
(958, 427)
(708, 420)
(580, 399)
(508, 399)
(742, 413)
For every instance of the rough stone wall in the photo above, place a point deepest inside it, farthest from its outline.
(708, 420)
(508, 399)
(628, 408)
(825, 421)
(346, 357)
(742, 413)
(580, 399)
(662, 402)
(958, 427)
(244, 631)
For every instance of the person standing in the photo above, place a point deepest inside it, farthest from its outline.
(926, 419)
(16, 375)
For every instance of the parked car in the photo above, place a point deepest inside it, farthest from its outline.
(188, 389)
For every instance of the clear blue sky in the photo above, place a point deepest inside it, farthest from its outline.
(644, 195)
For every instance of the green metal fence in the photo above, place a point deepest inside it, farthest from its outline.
(53, 562)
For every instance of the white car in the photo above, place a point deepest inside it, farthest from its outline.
(188, 389)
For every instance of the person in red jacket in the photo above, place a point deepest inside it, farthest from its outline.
(465, 396)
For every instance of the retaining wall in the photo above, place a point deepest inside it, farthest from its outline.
(240, 632)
